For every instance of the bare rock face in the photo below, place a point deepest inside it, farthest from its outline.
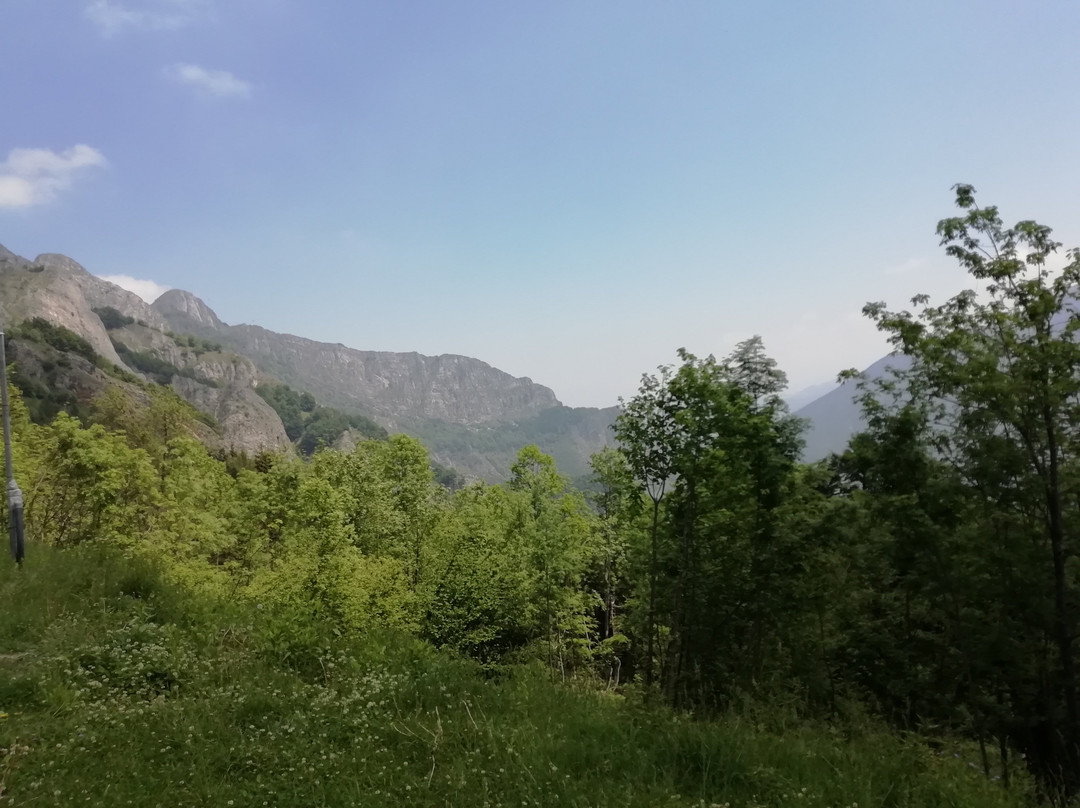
(219, 383)
(394, 387)
(185, 312)
(246, 422)
(100, 293)
(33, 289)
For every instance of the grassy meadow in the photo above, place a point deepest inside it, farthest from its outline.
(119, 688)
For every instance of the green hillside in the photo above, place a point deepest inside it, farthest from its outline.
(120, 688)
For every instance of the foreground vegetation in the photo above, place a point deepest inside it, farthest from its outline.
(119, 688)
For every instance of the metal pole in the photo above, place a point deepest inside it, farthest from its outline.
(14, 495)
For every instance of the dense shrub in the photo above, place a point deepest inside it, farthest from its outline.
(113, 319)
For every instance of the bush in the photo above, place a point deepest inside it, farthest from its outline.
(40, 330)
(311, 426)
(158, 369)
(112, 319)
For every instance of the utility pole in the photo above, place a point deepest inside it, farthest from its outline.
(14, 495)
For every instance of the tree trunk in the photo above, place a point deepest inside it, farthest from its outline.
(653, 565)
(1070, 765)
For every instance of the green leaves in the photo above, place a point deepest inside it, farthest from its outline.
(714, 437)
(88, 485)
(646, 431)
(994, 391)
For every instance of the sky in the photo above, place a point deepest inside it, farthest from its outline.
(569, 191)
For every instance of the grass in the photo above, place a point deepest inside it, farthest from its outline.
(117, 688)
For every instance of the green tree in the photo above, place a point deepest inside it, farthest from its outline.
(621, 541)
(196, 524)
(476, 578)
(646, 432)
(551, 527)
(366, 498)
(505, 568)
(995, 373)
(88, 485)
(718, 436)
(407, 469)
(617, 501)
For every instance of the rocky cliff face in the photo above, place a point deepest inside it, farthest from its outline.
(246, 422)
(186, 312)
(396, 388)
(470, 415)
(63, 292)
(100, 293)
(34, 289)
(223, 387)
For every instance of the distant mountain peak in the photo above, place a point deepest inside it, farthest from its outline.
(837, 416)
(62, 263)
(178, 304)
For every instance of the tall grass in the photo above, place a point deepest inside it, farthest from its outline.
(118, 689)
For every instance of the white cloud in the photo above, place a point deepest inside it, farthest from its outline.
(35, 176)
(147, 290)
(218, 83)
(152, 15)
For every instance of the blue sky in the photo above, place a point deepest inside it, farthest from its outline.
(567, 190)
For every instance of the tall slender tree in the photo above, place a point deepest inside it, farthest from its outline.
(646, 431)
(995, 370)
(715, 436)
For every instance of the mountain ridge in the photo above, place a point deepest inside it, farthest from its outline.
(448, 387)
(405, 391)
(834, 418)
